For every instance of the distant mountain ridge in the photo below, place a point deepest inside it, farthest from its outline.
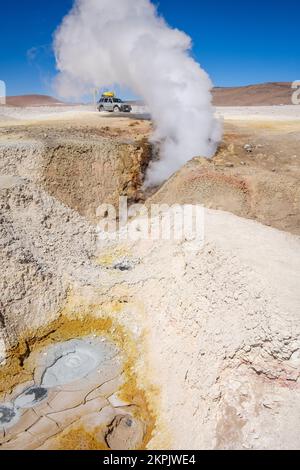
(32, 100)
(265, 94)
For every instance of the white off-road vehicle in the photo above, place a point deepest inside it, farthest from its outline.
(113, 104)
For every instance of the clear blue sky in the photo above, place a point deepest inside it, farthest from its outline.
(237, 42)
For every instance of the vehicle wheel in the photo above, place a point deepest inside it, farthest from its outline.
(116, 109)
(101, 109)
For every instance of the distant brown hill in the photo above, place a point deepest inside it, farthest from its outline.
(32, 100)
(265, 94)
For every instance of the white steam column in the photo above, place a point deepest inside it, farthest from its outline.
(104, 42)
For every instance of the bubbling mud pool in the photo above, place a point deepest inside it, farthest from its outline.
(75, 396)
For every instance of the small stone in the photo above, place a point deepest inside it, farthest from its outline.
(249, 148)
(267, 405)
(125, 433)
(229, 165)
(123, 266)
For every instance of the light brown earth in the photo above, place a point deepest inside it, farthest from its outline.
(259, 181)
(207, 331)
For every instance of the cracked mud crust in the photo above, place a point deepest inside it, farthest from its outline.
(78, 414)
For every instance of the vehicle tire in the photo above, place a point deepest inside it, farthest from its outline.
(101, 109)
(116, 109)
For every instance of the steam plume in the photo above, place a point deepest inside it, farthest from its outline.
(103, 42)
